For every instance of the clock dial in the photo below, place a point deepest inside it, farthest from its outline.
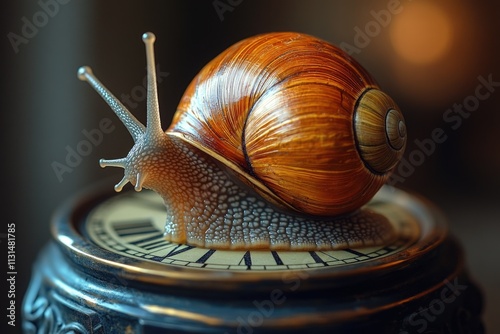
(131, 225)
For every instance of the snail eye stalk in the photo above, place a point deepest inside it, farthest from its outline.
(142, 135)
(133, 126)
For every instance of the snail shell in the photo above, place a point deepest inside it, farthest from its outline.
(276, 143)
(298, 116)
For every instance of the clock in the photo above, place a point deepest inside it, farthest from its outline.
(108, 269)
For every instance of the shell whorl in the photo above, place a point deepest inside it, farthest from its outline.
(380, 131)
(279, 108)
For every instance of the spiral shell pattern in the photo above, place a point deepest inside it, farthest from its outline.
(298, 117)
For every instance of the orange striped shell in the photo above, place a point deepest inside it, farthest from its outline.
(298, 119)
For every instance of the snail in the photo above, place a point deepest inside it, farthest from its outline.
(277, 143)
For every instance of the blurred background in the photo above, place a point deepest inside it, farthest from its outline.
(437, 59)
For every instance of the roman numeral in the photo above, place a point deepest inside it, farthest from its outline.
(277, 258)
(316, 257)
(352, 251)
(134, 227)
(248, 259)
(178, 249)
(152, 242)
(206, 256)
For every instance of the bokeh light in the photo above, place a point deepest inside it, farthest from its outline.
(422, 33)
(434, 51)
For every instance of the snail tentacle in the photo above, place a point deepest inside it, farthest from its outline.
(113, 163)
(141, 177)
(153, 126)
(119, 186)
(134, 127)
(148, 141)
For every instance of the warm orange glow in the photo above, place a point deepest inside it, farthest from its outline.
(422, 33)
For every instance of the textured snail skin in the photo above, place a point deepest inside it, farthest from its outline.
(271, 140)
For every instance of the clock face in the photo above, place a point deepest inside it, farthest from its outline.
(121, 235)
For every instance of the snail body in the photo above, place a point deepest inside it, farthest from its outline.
(276, 144)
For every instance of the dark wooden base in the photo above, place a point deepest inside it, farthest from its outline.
(432, 295)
